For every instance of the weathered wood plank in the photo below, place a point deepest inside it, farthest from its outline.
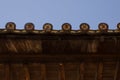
(100, 71)
(116, 71)
(61, 72)
(54, 58)
(82, 70)
(7, 72)
(43, 72)
(27, 74)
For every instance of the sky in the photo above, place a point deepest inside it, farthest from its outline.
(58, 12)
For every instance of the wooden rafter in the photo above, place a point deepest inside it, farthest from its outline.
(116, 71)
(7, 72)
(54, 58)
(27, 74)
(100, 71)
(61, 72)
(43, 71)
(82, 69)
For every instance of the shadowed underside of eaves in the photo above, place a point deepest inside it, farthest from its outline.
(47, 44)
(59, 57)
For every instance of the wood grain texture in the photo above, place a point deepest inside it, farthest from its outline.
(100, 71)
(7, 72)
(61, 72)
(82, 71)
(43, 72)
(116, 77)
(27, 73)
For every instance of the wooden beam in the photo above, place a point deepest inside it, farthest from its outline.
(96, 73)
(82, 70)
(53, 58)
(100, 71)
(27, 74)
(116, 71)
(7, 72)
(61, 72)
(43, 72)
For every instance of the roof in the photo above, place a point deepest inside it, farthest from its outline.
(66, 40)
(65, 54)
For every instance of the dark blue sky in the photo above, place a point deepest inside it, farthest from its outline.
(58, 12)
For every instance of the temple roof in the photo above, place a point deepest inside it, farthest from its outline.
(64, 41)
(65, 54)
